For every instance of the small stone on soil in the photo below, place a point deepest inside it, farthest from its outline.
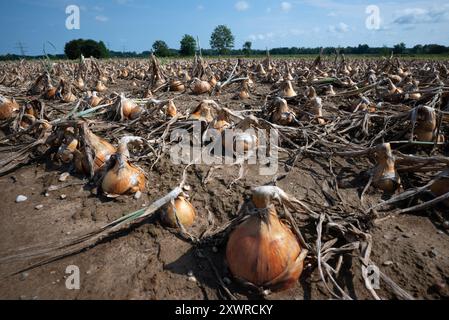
(63, 196)
(21, 198)
(24, 275)
(192, 279)
(39, 207)
(388, 263)
(446, 225)
(138, 195)
(63, 177)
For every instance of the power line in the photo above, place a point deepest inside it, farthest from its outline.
(22, 47)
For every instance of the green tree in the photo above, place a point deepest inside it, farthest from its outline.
(88, 48)
(399, 48)
(247, 47)
(222, 39)
(188, 45)
(161, 49)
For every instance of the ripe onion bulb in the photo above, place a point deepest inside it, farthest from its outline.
(244, 91)
(127, 109)
(263, 250)
(182, 209)
(314, 104)
(50, 94)
(200, 87)
(385, 176)
(66, 151)
(100, 87)
(213, 81)
(8, 108)
(221, 122)
(203, 112)
(102, 151)
(94, 100)
(441, 186)
(79, 83)
(287, 90)
(282, 114)
(171, 110)
(177, 86)
(123, 178)
(426, 124)
(240, 143)
(260, 70)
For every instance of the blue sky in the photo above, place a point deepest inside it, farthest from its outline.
(135, 24)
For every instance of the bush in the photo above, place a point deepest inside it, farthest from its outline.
(88, 48)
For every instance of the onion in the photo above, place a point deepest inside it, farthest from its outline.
(8, 108)
(244, 91)
(213, 81)
(123, 177)
(79, 83)
(183, 210)
(315, 105)
(221, 122)
(102, 151)
(263, 250)
(260, 70)
(127, 109)
(441, 186)
(177, 86)
(66, 151)
(200, 87)
(171, 109)
(50, 94)
(100, 87)
(203, 111)
(282, 114)
(385, 176)
(426, 124)
(287, 90)
(94, 100)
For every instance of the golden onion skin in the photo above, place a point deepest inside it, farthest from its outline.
(7, 109)
(265, 253)
(441, 187)
(184, 210)
(122, 179)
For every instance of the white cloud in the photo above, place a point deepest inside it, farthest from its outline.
(340, 28)
(262, 36)
(242, 6)
(286, 6)
(101, 18)
(420, 15)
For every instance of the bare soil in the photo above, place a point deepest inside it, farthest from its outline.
(152, 262)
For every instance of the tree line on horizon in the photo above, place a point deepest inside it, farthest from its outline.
(222, 43)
